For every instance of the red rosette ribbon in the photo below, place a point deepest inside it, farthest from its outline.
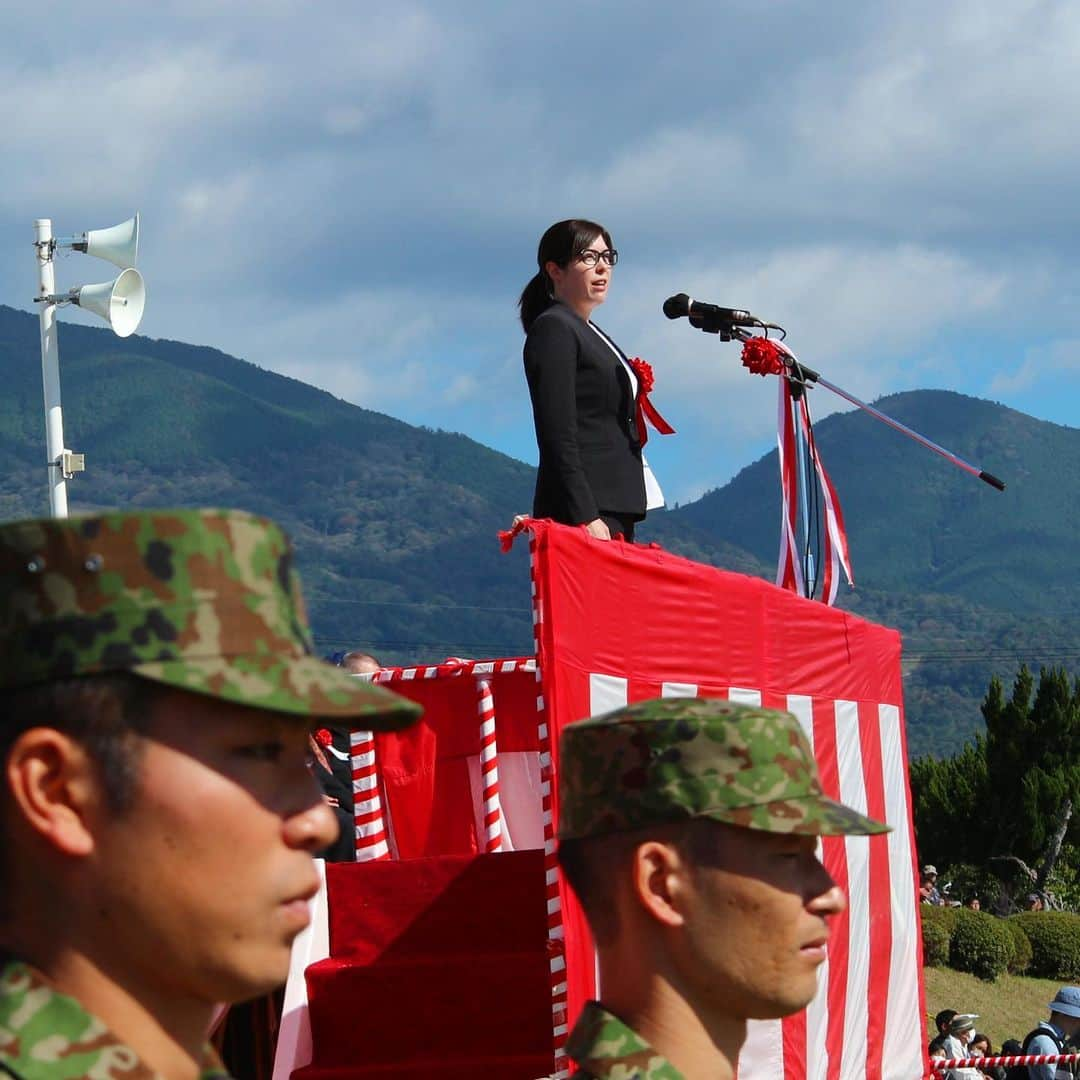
(760, 356)
(323, 737)
(645, 408)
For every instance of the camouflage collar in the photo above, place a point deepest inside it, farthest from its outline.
(605, 1048)
(46, 1035)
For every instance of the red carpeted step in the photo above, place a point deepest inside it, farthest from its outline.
(489, 1068)
(429, 906)
(438, 968)
(441, 1008)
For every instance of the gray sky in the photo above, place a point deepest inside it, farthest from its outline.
(352, 193)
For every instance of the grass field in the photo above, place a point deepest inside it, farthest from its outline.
(1007, 1009)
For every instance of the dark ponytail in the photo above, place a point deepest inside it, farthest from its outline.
(561, 243)
(535, 298)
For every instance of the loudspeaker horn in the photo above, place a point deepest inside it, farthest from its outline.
(119, 302)
(119, 244)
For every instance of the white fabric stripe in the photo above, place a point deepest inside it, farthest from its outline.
(678, 689)
(366, 806)
(606, 692)
(310, 945)
(744, 696)
(817, 1012)
(902, 1042)
(371, 828)
(853, 794)
(369, 854)
(802, 708)
(817, 1022)
(762, 1055)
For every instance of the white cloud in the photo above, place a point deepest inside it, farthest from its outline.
(346, 119)
(852, 314)
(352, 193)
(1043, 365)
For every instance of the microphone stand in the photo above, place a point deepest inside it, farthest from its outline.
(802, 376)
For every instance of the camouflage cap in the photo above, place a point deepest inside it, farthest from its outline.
(672, 759)
(203, 600)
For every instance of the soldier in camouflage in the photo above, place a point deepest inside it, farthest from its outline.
(688, 830)
(157, 814)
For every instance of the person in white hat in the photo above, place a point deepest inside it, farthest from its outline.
(961, 1028)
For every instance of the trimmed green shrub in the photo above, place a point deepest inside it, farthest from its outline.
(1020, 959)
(945, 916)
(1055, 943)
(935, 943)
(980, 944)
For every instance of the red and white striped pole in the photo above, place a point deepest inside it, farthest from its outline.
(560, 1029)
(371, 840)
(489, 768)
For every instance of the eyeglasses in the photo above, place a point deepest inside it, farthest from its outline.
(591, 257)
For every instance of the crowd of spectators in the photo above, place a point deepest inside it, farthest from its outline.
(957, 1038)
(930, 893)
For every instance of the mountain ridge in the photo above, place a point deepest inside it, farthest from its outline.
(396, 526)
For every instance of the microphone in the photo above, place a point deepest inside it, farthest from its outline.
(708, 317)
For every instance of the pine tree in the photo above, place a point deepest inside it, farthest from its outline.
(1008, 797)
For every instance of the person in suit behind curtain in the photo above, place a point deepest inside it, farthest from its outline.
(584, 390)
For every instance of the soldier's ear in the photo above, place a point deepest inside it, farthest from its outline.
(54, 789)
(659, 872)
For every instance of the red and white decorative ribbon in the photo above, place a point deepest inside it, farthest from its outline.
(940, 1064)
(489, 768)
(451, 668)
(765, 356)
(371, 841)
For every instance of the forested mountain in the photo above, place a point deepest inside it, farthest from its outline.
(978, 580)
(395, 525)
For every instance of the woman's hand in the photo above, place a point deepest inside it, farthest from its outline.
(599, 529)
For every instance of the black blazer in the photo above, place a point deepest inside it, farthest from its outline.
(586, 429)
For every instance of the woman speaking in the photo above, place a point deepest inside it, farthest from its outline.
(585, 392)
